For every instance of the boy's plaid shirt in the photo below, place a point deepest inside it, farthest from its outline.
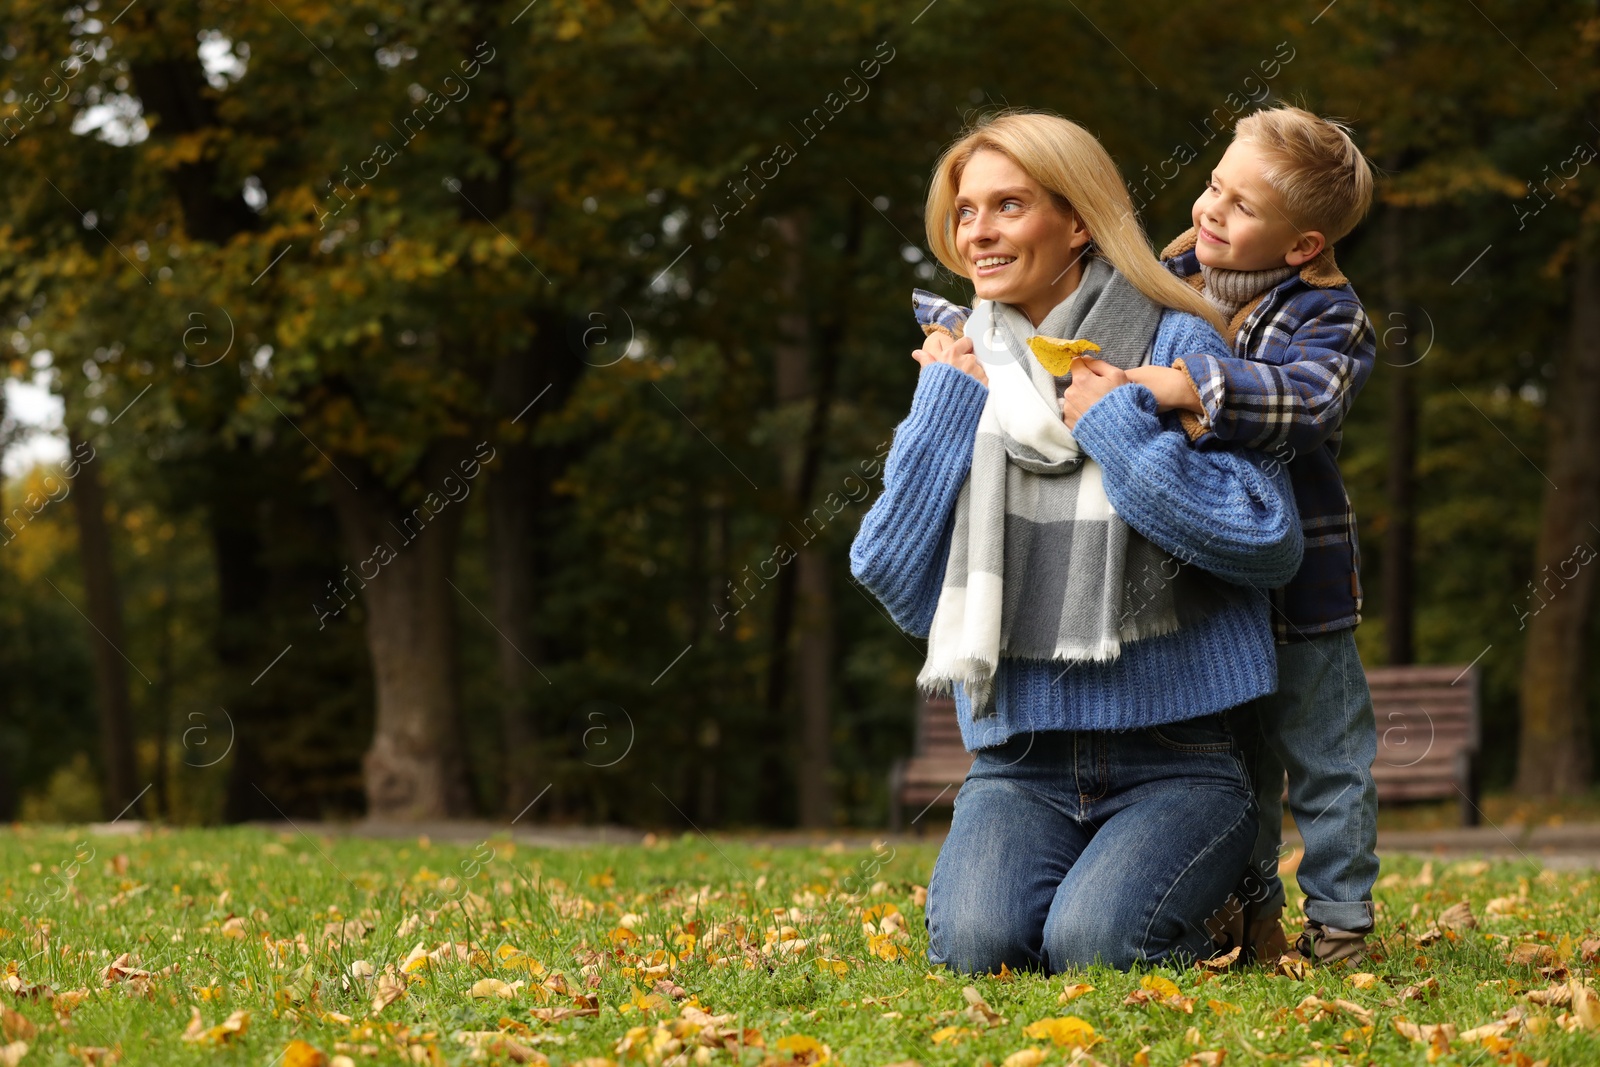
(1305, 349)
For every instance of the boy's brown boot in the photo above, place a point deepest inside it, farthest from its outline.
(1329, 944)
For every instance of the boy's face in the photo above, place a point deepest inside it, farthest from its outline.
(1240, 221)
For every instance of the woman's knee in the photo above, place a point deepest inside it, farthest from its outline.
(978, 940)
(1075, 938)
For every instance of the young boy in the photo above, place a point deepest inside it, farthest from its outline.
(1261, 252)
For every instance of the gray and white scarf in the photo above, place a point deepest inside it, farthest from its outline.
(1041, 566)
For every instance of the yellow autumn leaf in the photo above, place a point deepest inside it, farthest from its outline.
(1222, 1007)
(1363, 979)
(622, 936)
(1065, 1030)
(833, 966)
(878, 911)
(1056, 354)
(490, 987)
(950, 1033)
(1073, 991)
(198, 1033)
(1162, 987)
(1025, 1057)
(302, 1054)
(798, 1045)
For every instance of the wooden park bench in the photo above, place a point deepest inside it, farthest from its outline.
(1428, 736)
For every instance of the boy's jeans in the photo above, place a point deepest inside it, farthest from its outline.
(1071, 847)
(1319, 726)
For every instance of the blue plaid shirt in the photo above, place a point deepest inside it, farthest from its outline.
(1305, 348)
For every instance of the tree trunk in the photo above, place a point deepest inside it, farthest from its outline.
(105, 615)
(1554, 758)
(415, 768)
(797, 584)
(511, 575)
(1399, 543)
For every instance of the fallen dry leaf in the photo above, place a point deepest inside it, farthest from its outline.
(303, 1054)
(198, 1033)
(1025, 1057)
(1533, 954)
(1439, 1035)
(388, 988)
(11, 1054)
(1363, 979)
(1066, 1031)
(1585, 1006)
(978, 1010)
(484, 988)
(1222, 962)
(1459, 917)
(1073, 991)
(15, 1025)
(1292, 965)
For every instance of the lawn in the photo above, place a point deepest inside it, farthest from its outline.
(246, 947)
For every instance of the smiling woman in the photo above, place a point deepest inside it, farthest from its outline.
(1107, 813)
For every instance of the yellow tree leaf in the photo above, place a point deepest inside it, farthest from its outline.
(1065, 1030)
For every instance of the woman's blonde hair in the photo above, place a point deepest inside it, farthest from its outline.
(1074, 167)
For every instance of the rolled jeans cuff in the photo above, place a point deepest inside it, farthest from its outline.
(1355, 916)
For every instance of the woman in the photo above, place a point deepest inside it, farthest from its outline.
(1089, 583)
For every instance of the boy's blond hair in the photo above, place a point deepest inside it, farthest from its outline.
(1311, 162)
(1080, 175)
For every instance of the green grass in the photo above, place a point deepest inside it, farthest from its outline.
(169, 896)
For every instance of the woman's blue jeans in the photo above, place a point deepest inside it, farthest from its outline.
(1069, 848)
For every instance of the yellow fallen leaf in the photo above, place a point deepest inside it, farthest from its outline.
(1163, 987)
(1064, 1030)
(1363, 979)
(11, 1054)
(622, 936)
(950, 1033)
(1073, 991)
(490, 987)
(1025, 1057)
(15, 1025)
(978, 1009)
(1585, 1006)
(301, 1054)
(804, 1049)
(198, 1033)
(1222, 1007)
(832, 966)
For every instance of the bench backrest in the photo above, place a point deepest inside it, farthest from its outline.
(1427, 720)
(938, 732)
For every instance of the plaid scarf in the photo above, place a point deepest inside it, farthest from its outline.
(1040, 566)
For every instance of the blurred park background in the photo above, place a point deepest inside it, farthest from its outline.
(427, 409)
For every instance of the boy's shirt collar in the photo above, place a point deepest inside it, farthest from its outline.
(1320, 272)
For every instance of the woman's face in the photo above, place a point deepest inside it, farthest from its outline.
(1019, 248)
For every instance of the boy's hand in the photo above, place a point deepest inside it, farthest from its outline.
(1172, 388)
(938, 347)
(1091, 380)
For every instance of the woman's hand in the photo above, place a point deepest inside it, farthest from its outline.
(1091, 380)
(939, 347)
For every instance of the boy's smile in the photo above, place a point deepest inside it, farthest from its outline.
(1240, 221)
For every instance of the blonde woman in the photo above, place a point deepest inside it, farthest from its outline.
(1089, 583)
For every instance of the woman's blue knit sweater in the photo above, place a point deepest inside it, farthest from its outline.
(1231, 513)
